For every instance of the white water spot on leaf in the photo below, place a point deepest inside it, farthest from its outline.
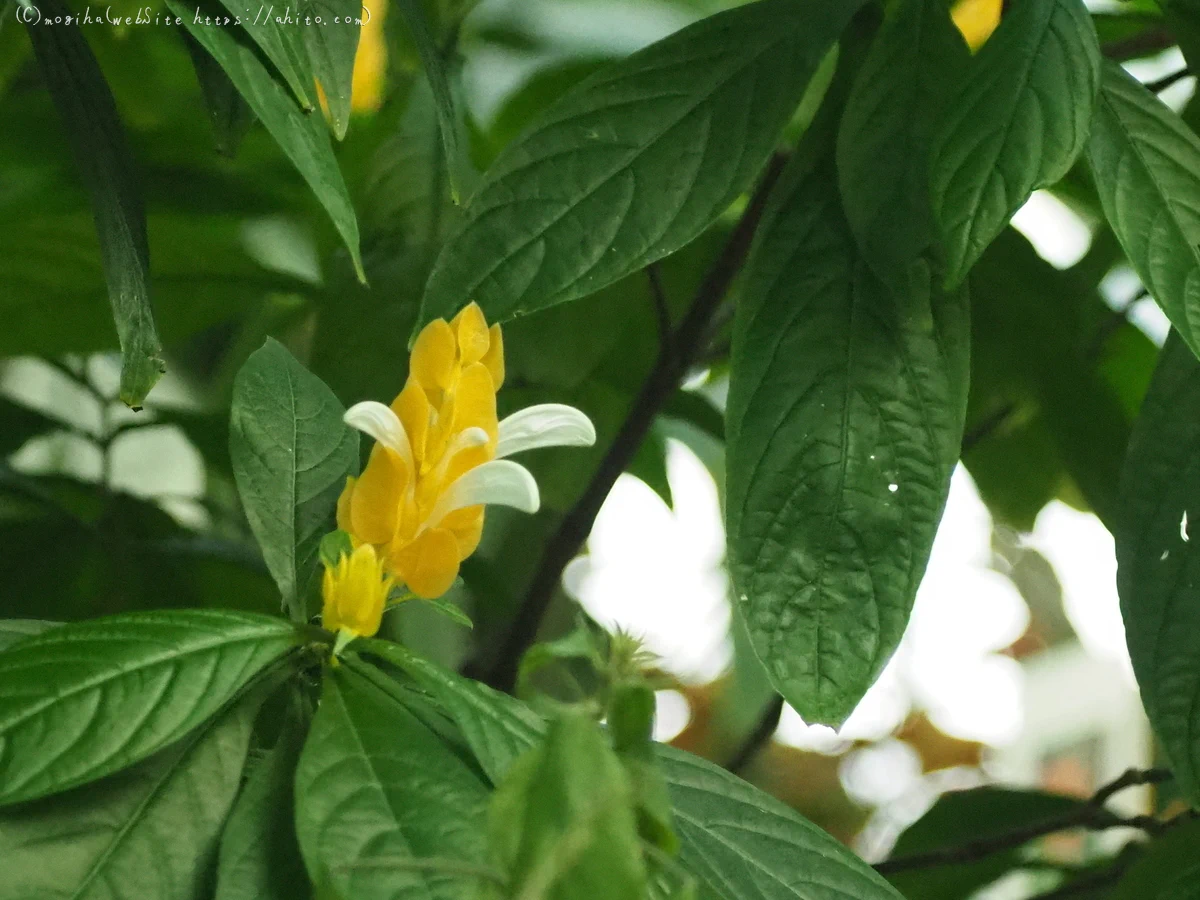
(893, 488)
(1164, 556)
(1183, 527)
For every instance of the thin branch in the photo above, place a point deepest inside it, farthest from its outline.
(660, 384)
(1093, 816)
(1166, 81)
(1086, 884)
(764, 729)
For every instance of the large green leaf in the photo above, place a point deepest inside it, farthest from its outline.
(884, 138)
(1145, 162)
(13, 630)
(635, 162)
(384, 809)
(259, 857)
(303, 138)
(291, 454)
(1016, 123)
(1158, 571)
(150, 831)
(102, 154)
(845, 415)
(1168, 870)
(718, 816)
(960, 817)
(277, 34)
(87, 699)
(227, 110)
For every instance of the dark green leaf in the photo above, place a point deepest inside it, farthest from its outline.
(149, 677)
(649, 465)
(102, 154)
(1168, 870)
(302, 138)
(635, 162)
(278, 35)
(384, 809)
(259, 856)
(231, 117)
(963, 816)
(1159, 564)
(19, 423)
(631, 723)
(443, 98)
(562, 821)
(1016, 123)
(845, 416)
(725, 824)
(291, 456)
(1145, 163)
(331, 48)
(150, 831)
(884, 138)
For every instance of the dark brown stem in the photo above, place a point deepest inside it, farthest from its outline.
(1152, 40)
(764, 729)
(1093, 816)
(656, 390)
(1166, 81)
(662, 311)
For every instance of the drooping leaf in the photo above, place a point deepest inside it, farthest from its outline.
(1017, 122)
(1159, 564)
(884, 138)
(231, 117)
(443, 98)
(725, 825)
(149, 677)
(259, 857)
(150, 831)
(331, 46)
(291, 454)
(276, 32)
(845, 416)
(106, 164)
(960, 817)
(634, 162)
(562, 821)
(384, 809)
(303, 139)
(1144, 160)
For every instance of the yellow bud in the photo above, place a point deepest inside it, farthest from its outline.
(355, 592)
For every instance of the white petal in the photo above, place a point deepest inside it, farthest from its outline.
(544, 425)
(468, 437)
(495, 483)
(376, 420)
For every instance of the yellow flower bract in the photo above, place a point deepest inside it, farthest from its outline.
(355, 592)
(448, 412)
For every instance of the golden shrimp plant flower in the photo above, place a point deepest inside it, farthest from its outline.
(440, 455)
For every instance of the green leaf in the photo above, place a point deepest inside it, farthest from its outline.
(13, 630)
(1144, 160)
(649, 465)
(1158, 562)
(450, 611)
(230, 116)
(331, 47)
(1168, 869)
(384, 809)
(443, 98)
(303, 139)
(291, 456)
(279, 36)
(149, 677)
(150, 831)
(960, 817)
(1016, 123)
(883, 145)
(845, 416)
(631, 723)
(102, 154)
(563, 823)
(634, 162)
(19, 423)
(259, 856)
(725, 825)
(333, 547)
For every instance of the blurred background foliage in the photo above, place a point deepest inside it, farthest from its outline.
(103, 509)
